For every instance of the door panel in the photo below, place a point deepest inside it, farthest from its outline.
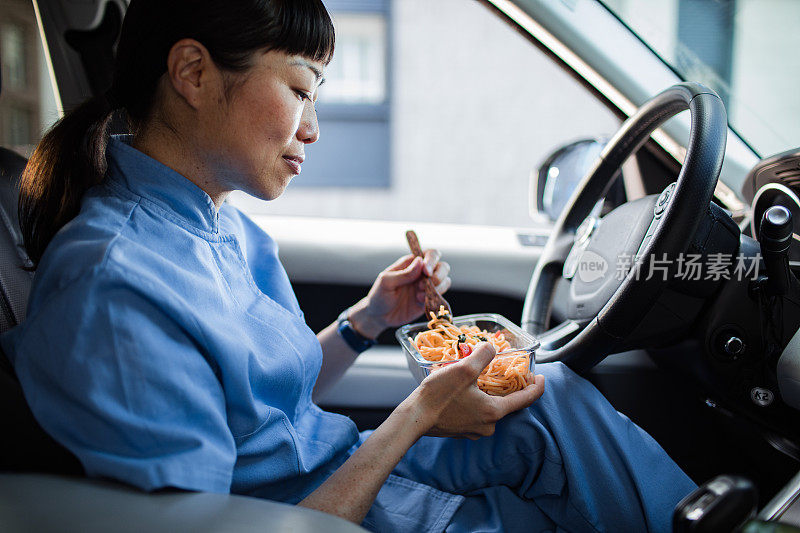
(321, 303)
(487, 259)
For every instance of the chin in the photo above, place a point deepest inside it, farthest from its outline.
(265, 187)
(268, 194)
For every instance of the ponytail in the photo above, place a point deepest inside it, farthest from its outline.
(68, 161)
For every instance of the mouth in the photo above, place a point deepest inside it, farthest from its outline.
(294, 162)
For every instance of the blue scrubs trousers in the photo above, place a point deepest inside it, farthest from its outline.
(570, 462)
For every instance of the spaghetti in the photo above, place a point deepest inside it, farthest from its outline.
(443, 342)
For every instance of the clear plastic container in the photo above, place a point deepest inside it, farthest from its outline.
(520, 341)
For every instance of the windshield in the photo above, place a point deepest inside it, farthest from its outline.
(746, 50)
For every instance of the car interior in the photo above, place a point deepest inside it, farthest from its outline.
(709, 367)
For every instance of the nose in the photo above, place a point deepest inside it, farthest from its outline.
(308, 132)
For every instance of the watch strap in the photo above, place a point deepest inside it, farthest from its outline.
(356, 341)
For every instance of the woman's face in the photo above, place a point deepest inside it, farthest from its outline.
(255, 141)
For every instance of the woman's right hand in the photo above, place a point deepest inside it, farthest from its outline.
(448, 403)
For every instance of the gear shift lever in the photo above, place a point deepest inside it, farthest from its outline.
(775, 237)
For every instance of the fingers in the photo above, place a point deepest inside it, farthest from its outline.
(466, 371)
(481, 356)
(408, 274)
(441, 278)
(401, 263)
(434, 267)
(431, 257)
(521, 398)
(409, 269)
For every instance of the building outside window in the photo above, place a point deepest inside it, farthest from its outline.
(27, 102)
(14, 58)
(357, 75)
(354, 103)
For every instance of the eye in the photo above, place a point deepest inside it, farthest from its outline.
(303, 94)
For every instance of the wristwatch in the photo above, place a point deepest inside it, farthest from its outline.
(354, 339)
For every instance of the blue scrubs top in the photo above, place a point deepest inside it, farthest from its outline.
(164, 345)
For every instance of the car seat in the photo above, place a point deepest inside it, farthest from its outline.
(24, 445)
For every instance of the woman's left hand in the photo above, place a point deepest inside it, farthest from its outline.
(398, 294)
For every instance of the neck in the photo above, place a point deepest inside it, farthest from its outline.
(168, 148)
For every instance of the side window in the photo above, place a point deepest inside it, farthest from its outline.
(354, 104)
(474, 108)
(27, 103)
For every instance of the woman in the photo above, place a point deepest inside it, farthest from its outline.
(164, 346)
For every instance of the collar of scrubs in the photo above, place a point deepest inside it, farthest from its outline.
(150, 179)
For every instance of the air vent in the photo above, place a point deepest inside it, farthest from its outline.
(788, 172)
(789, 177)
(793, 182)
(783, 169)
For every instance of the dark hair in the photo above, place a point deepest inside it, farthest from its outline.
(71, 156)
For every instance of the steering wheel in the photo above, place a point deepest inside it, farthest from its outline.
(605, 259)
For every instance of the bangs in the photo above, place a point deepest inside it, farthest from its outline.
(305, 28)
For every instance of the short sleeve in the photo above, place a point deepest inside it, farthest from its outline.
(119, 378)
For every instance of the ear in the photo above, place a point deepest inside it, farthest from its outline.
(191, 71)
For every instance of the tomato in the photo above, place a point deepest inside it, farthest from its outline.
(464, 349)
